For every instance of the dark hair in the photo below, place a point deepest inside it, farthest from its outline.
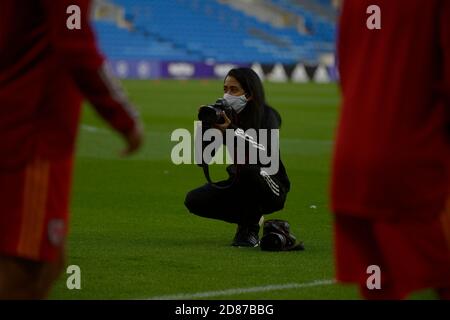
(253, 113)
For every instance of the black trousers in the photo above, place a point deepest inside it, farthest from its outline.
(253, 194)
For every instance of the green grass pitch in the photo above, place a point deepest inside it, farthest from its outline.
(132, 236)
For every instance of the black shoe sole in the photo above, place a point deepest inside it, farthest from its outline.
(245, 245)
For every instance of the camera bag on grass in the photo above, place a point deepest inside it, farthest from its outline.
(278, 237)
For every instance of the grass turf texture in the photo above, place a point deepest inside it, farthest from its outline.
(132, 236)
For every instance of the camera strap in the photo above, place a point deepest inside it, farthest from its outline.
(205, 168)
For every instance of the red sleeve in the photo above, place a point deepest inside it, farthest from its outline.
(78, 53)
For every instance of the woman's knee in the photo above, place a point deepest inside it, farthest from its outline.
(194, 201)
(205, 202)
(189, 201)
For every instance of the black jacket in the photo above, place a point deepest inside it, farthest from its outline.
(269, 119)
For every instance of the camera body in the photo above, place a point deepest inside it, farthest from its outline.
(277, 236)
(210, 114)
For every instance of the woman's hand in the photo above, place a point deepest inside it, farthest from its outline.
(224, 125)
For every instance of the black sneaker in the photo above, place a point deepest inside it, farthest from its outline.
(246, 236)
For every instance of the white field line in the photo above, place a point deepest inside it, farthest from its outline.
(93, 129)
(236, 291)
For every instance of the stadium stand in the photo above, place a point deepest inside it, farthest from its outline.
(210, 30)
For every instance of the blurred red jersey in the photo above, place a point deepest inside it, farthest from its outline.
(45, 69)
(392, 155)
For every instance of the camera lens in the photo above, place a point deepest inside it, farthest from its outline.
(207, 114)
(273, 242)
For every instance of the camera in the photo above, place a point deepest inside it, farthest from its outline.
(210, 115)
(277, 236)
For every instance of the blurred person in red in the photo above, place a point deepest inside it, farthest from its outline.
(46, 68)
(391, 167)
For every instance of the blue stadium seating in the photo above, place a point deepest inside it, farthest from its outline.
(202, 30)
